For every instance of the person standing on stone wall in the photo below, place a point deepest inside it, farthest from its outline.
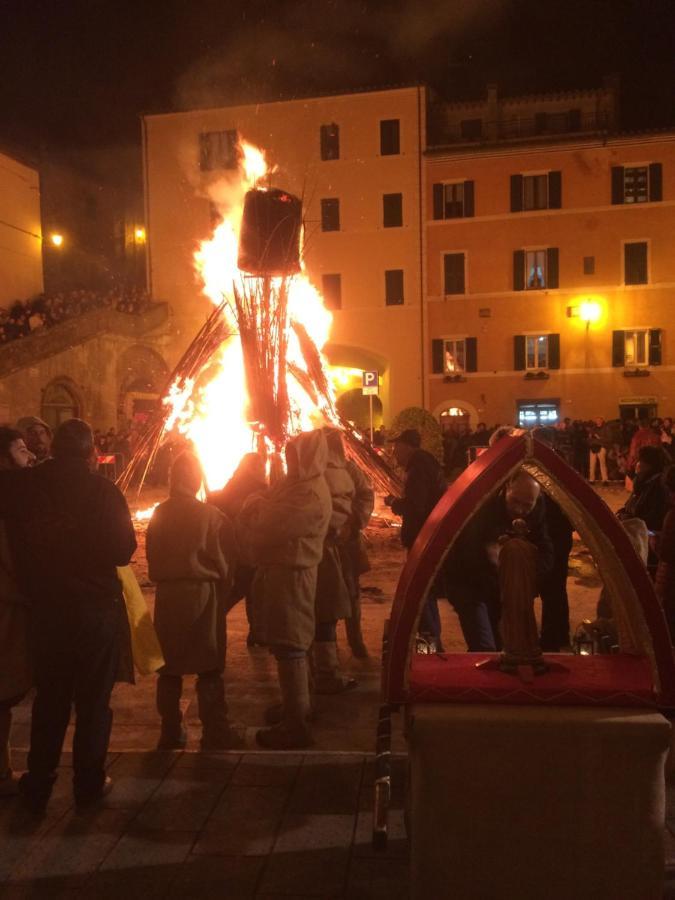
(192, 557)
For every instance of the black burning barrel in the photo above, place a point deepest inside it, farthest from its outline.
(269, 241)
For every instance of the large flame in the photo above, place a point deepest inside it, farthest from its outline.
(213, 415)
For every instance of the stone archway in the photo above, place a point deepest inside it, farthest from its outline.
(346, 366)
(141, 375)
(60, 401)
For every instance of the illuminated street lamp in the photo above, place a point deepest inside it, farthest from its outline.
(56, 239)
(589, 312)
(139, 235)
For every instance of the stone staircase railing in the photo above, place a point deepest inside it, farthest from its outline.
(19, 354)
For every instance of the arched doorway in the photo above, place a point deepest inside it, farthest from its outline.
(354, 407)
(455, 419)
(346, 365)
(59, 402)
(142, 376)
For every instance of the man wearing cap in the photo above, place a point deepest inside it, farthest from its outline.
(424, 486)
(38, 437)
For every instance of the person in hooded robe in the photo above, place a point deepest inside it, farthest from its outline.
(192, 556)
(282, 533)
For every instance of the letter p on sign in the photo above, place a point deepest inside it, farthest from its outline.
(371, 382)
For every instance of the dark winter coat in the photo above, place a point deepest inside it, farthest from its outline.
(468, 566)
(425, 484)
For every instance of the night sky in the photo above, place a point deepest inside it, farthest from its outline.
(80, 72)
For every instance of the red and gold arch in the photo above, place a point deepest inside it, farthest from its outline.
(642, 673)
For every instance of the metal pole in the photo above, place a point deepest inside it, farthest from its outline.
(370, 398)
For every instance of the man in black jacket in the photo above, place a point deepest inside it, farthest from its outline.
(68, 530)
(424, 486)
(472, 567)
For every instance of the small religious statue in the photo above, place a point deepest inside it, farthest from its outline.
(518, 588)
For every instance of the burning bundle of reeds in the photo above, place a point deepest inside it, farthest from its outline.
(261, 307)
(181, 381)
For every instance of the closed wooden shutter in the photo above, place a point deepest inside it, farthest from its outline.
(454, 273)
(518, 270)
(519, 352)
(635, 263)
(468, 199)
(516, 193)
(554, 351)
(554, 190)
(471, 360)
(617, 184)
(437, 356)
(656, 181)
(438, 201)
(618, 348)
(655, 347)
(552, 267)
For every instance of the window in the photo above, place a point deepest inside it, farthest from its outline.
(637, 184)
(453, 273)
(332, 291)
(330, 141)
(471, 129)
(546, 412)
(454, 200)
(529, 192)
(535, 192)
(330, 214)
(393, 287)
(636, 348)
(589, 265)
(218, 150)
(635, 263)
(392, 210)
(535, 270)
(454, 356)
(390, 137)
(534, 352)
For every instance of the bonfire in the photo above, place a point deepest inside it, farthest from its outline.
(254, 374)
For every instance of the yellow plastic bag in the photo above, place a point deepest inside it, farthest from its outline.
(145, 646)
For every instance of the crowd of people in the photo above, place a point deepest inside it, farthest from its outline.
(293, 551)
(24, 317)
